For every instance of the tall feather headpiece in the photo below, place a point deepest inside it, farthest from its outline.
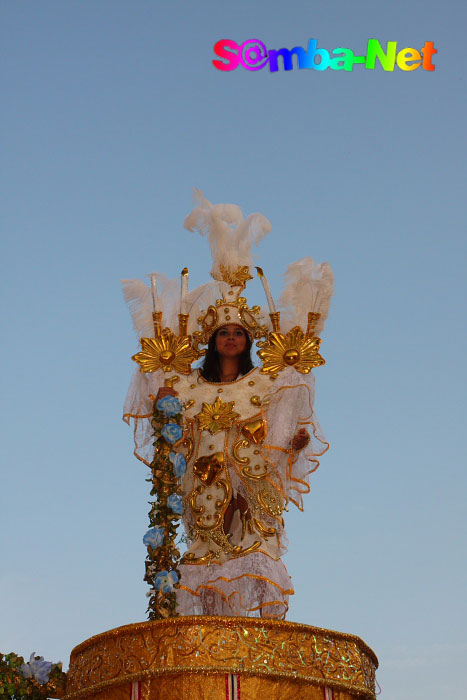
(230, 235)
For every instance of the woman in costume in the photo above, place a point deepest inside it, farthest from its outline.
(250, 436)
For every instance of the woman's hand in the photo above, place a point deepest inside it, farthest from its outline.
(165, 391)
(300, 440)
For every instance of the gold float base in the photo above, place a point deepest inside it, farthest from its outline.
(221, 658)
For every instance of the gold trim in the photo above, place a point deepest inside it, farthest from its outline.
(239, 379)
(241, 443)
(257, 477)
(253, 647)
(266, 532)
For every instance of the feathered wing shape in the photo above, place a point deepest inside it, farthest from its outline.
(309, 287)
(139, 299)
(230, 236)
(138, 296)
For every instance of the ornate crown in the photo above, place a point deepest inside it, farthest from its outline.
(305, 299)
(231, 308)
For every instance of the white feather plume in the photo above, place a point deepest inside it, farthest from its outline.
(230, 235)
(308, 287)
(138, 296)
(139, 299)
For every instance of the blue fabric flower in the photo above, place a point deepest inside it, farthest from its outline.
(37, 669)
(171, 432)
(178, 463)
(154, 537)
(175, 503)
(170, 406)
(165, 581)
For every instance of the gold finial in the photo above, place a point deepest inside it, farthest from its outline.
(183, 324)
(275, 320)
(157, 322)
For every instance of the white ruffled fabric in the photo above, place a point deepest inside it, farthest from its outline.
(251, 586)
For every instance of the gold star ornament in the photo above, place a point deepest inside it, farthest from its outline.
(217, 416)
(294, 349)
(168, 352)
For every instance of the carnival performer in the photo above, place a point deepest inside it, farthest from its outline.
(250, 437)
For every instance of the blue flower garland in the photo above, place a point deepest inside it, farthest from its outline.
(167, 467)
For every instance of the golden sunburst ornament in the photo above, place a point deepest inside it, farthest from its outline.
(217, 416)
(168, 352)
(294, 349)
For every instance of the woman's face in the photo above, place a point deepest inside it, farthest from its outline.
(230, 340)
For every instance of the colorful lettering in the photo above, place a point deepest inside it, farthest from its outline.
(406, 55)
(374, 51)
(220, 49)
(254, 55)
(428, 51)
(287, 58)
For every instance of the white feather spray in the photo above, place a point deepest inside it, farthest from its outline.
(309, 287)
(230, 235)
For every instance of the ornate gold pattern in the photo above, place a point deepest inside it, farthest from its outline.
(188, 443)
(167, 352)
(220, 505)
(259, 475)
(270, 653)
(237, 277)
(270, 500)
(229, 311)
(217, 416)
(294, 349)
(240, 444)
(263, 530)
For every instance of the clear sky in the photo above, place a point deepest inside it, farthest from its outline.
(111, 113)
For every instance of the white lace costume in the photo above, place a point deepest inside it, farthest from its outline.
(241, 574)
(237, 435)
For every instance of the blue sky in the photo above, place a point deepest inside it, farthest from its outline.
(112, 112)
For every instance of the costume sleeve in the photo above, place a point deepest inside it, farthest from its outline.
(138, 408)
(289, 407)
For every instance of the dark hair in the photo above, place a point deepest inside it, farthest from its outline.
(211, 367)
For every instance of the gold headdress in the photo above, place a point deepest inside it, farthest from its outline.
(201, 312)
